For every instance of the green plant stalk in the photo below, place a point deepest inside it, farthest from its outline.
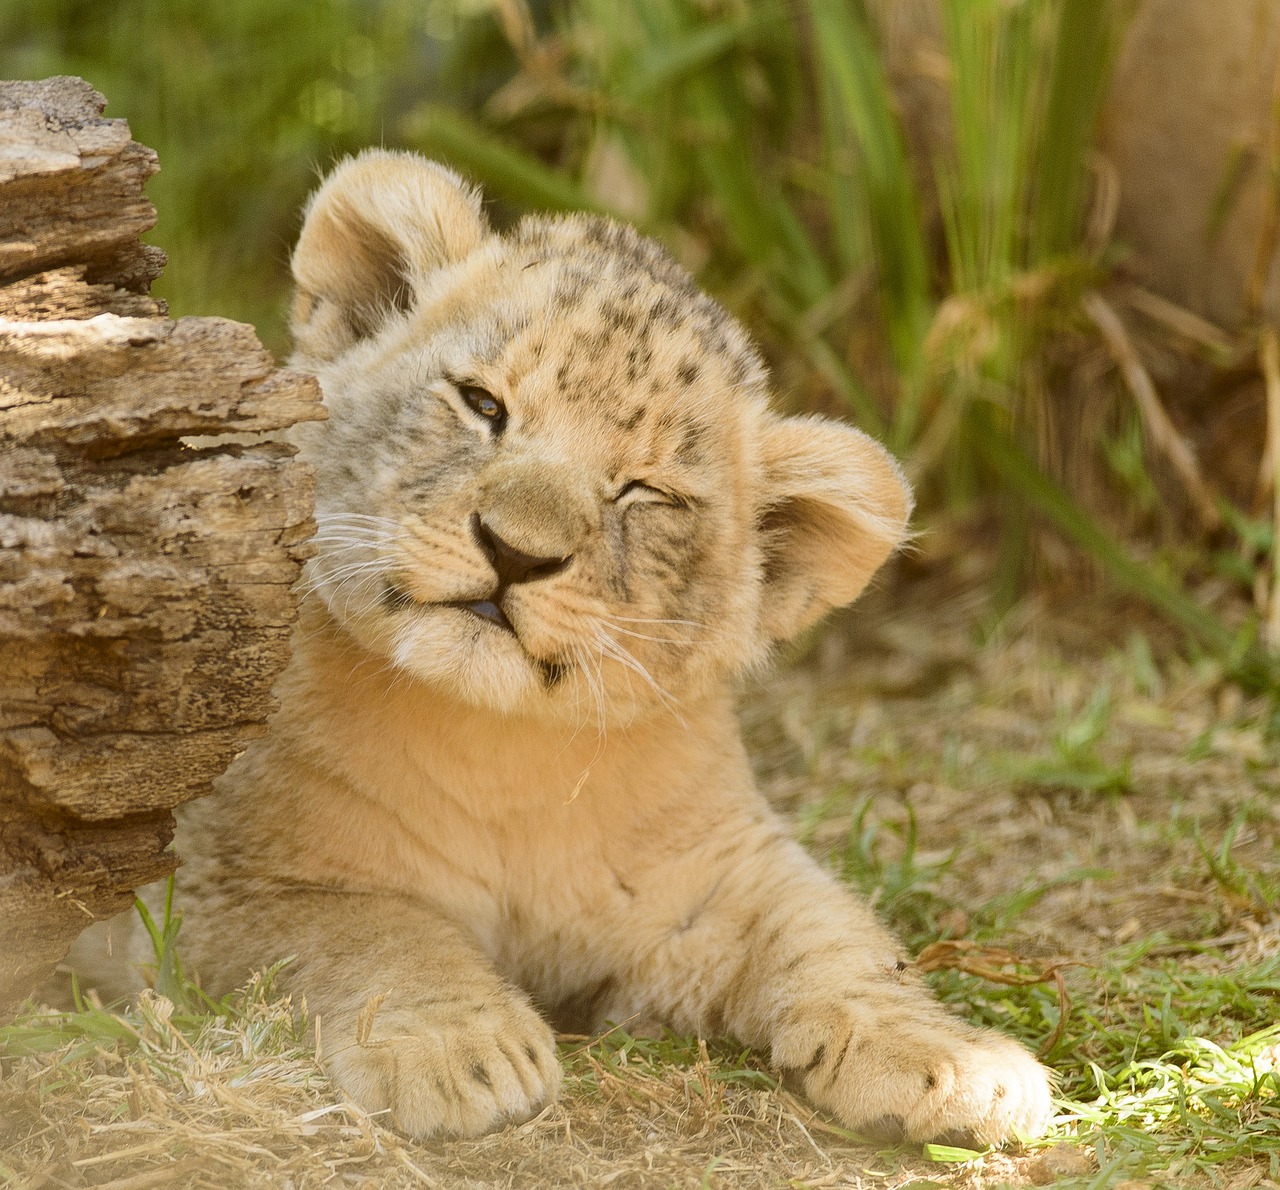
(1026, 84)
(856, 106)
(983, 187)
(1088, 32)
(765, 227)
(1250, 665)
(670, 64)
(164, 935)
(512, 172)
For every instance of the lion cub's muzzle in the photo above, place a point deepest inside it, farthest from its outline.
(512, 566)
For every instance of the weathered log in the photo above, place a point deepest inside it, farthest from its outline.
(72, 184)
(145, 582)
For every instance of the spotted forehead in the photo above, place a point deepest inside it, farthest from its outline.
(623, 329)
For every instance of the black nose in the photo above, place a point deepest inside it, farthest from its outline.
(513, 566)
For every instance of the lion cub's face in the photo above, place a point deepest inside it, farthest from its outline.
(550, 482)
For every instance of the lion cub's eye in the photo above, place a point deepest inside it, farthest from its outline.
(482, 402)
(638, 492)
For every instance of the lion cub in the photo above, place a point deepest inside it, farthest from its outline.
(506, 785)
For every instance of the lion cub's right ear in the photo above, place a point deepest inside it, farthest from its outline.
(373, 233)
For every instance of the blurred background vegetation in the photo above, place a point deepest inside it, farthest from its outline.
(958, 295)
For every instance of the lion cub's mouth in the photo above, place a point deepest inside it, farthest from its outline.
(396, 598)
(552, 669)
(486, 609)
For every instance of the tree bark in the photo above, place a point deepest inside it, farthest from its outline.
(145, 582)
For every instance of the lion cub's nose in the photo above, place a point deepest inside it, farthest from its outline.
(512, 565)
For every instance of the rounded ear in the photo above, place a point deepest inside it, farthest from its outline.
(372, 235)
(836, 505)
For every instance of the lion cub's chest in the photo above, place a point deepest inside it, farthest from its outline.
(524, 879)
(543, 891)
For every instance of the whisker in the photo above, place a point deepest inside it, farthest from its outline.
(372, 524)
(598, 688)
(340, 573)
(627, 659)
(319, 584)
(341, 544)
(349, 579)
(653, 620)
(576, 666)
(357, 535)
(661, 640)
(595, 684)
(352, 546)
(343, 525)
(322, 517)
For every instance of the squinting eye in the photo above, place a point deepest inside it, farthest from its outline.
(483, 402)
(638, 492)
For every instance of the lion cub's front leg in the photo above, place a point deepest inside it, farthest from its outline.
(413, 1018)
(770, 948)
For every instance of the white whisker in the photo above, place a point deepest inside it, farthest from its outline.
(322, 577)
(347, 535)
(652, 620)
(661, 640)
(323, 517)
(625, 658)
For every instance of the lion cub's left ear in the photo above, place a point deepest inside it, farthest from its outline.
(836, 506)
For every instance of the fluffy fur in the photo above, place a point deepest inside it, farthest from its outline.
(506, 784)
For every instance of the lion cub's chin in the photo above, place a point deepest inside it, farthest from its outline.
(486, 667)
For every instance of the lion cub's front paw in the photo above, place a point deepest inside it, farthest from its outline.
(457, 1068)
(907, 1080)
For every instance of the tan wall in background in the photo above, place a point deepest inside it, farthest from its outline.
(1192, 95)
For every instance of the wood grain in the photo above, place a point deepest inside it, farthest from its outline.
(145, 582)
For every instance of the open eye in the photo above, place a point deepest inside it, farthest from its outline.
(638, 492)
(484, 404)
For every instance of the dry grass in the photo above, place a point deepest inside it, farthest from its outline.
(242, 1103)
(1094, 779)
(1042, 792)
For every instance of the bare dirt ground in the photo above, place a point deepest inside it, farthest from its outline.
(1074, 795)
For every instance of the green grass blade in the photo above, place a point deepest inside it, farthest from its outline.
(700, 49)
(1251, 665)
(1087, 35)
(762, 224)
(857, 106)
(993, 51)
(511, 172)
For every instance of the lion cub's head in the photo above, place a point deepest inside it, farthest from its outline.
(550, 481)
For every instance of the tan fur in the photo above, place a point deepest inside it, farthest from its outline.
(470, 821)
